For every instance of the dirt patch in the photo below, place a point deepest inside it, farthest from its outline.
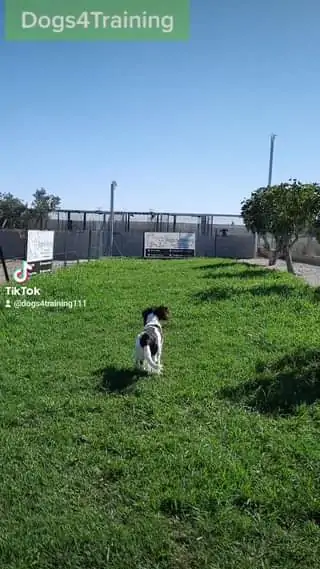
(309, 273)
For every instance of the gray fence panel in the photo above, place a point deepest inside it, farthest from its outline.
(128, 244)
(74, 245)
(13, 243)
(235, 247)
(96, 244)
(205, 246)
(70, 246)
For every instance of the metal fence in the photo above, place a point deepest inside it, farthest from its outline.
(90, 244)
(124, 222)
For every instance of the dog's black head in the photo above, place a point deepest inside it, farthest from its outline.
(161, 312)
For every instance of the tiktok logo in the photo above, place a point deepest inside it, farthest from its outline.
(22, 275)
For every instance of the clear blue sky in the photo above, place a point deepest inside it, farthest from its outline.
(180, 126)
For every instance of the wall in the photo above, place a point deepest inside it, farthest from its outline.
(305, 250)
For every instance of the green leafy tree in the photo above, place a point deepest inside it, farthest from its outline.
(12, 211)
(42, 204)
(15, 214)
(284, 212)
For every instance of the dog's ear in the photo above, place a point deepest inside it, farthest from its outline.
(145, 314)
(162, 312)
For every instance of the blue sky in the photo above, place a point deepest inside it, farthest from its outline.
(180, 126)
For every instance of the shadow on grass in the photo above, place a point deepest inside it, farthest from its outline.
(224, 293)
(281, 387)
(114, 380)
(219, 265)
(246, 274)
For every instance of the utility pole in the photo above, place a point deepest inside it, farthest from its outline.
(271, 156)
(272, 139)
(112, 189)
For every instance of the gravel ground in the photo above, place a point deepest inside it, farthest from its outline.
(310, 273)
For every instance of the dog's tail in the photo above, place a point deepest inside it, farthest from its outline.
(145, 344)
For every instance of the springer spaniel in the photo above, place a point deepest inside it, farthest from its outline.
(149, 343)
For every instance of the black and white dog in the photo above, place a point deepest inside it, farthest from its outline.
(149, 343)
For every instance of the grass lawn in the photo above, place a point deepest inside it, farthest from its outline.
(216, 464)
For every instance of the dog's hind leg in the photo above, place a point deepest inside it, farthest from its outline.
(139, 365)
(158, 357)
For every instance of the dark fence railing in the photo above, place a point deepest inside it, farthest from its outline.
(78, 220)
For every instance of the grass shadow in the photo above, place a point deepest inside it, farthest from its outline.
(280, 388)
(115, 380)
(214, 294)
(220, 265)
(223, 293)
(316, 294)
(246, 274)
(270, 290)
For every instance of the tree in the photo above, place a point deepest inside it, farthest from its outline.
(285, 211)
(15, 214)
(42, 205)
(12, 211)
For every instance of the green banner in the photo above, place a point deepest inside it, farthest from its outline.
(81, 20)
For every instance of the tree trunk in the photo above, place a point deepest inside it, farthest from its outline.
(266, 243)
(273, 257)
(288, 259)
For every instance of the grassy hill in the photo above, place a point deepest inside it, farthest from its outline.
(213, 465)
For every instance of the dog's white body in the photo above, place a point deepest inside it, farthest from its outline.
(149, 364)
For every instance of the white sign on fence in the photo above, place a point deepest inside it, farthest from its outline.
(169, 244)
(40, 250)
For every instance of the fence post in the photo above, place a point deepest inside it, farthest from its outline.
(112, 190)
(25, 244)
(65, 249)
(100, 251)
(4, 266)
(89, 244)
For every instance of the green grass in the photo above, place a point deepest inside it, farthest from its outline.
(216, 464)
